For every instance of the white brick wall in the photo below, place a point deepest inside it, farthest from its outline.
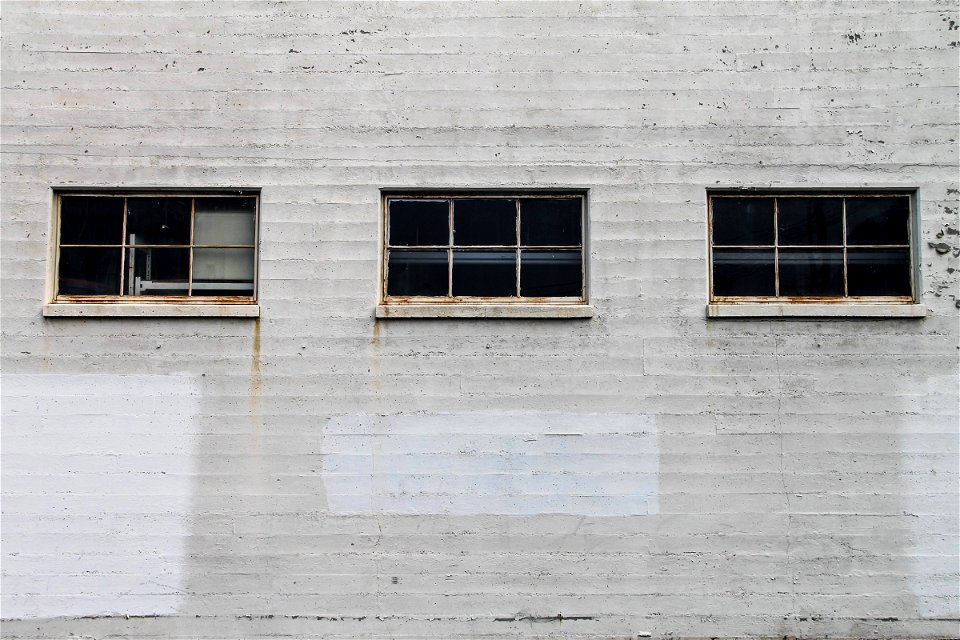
(172, 477)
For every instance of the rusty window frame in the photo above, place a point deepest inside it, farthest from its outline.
(911, 246)
(124, 246)
(388, 195)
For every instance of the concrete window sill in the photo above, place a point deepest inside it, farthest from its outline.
(159, 310)
(546, 311)
(774, 310)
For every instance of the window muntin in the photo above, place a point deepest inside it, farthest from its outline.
(484, 248)
(156, 247)
(821, 247)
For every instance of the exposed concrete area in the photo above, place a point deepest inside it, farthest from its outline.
(621, 469)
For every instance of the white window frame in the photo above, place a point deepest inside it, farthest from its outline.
(811, 306)
(474, 306)
(57, 305)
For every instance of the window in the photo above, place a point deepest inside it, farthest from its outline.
(156, 247)
(484, 248)
(812, 248)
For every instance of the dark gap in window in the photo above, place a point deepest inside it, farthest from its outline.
(878, 220)
(806, 272)
(158, 272)
(158, 220)
(743, 221)
(878, 272)
(810, 221)
(743, 272)
(551, 273)
(87, 271)
(419, 222)
(484, 273)
(550, 221)
(91, 220)
(417, 273)
(484, 222)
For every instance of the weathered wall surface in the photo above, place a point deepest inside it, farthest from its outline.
(319, 473)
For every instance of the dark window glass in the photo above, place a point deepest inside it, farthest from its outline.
(86, 271)
(157, 272)
(419, 222)
(743, 221)
(484, 273)
(417, 273)
(548, 221)
(805, 272)
(91, 220)
(743, 272)
(810, 221)
(878, 272)
(551, 273)
(878, 220)
(484, 222)
(158, 220)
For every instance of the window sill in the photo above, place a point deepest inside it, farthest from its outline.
(557, 311)
(843, 310)
(157, 310)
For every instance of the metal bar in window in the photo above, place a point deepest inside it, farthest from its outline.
(843, 225)
(450, 249)
(123, 250)
(776, 248)
(517, 262)
(193, 222)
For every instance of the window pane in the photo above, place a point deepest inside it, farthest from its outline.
(223, 272)
(551, 273)
(743, 272)
(484, 222)
(225, 221)
(742, 221)
(811, 273)
(91, 220)
(89, 272)
(419, 222)
(484, 273)
(547, 221)
(158, 220)
(810, 221)
(878, 272)
(878, 220)
(157, 272)
(417, 273)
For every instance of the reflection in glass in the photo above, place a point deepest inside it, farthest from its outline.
(742, 221)
(743, 272)
(417, 273)
(419, 222)
(550, 221)
(85, 271)
(222, 272)
(809, 221)
(158, 221)
(484, 222)
(225, 221)
(157, 272)
(551, 273)
(878, 272)
(484, 273)
(878, 220)
(91, 220)
(806, 272)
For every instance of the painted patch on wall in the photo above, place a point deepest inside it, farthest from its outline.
(492, 463)
(97, 482)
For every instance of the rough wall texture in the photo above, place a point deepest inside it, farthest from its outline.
(317, 473)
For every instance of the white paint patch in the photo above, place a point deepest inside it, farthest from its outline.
(503, 463)
(97, 476)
